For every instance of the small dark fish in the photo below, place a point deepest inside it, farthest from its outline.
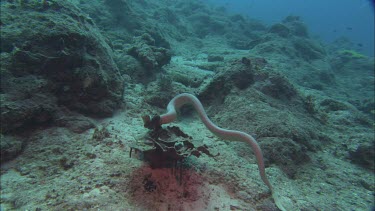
(334, 30)
(349, 28)
(359, 44)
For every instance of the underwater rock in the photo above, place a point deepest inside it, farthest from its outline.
(318, 79)
(364, 155)
(333, 105)
(299, 29)
(239, 74)
(113, 14)
(308, 50)
(296, 26)
(128, 65)
(350, 62)
(160, 100)
(240, 44)
(214, 58)
(277, 87)
(74, 122)
(237, 18)
(244, 35)
(10, 147)
(205, 24)
(298, 45)
(167, 15)
(279, 29)
(122, 14)
(367, 106)
(286, 153)
(243, 73)
(26, 113)
(150, 56)
(67, 55)
(164, 83)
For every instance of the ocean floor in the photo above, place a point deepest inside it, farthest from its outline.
(66, 143)
(62, 170)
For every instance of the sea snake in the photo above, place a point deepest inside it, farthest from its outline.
(231, 135)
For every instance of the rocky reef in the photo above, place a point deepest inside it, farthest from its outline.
(77, 76)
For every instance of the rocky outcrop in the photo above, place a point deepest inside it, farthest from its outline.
(144, 49)
(364, 155)
(53, 56)
(246, 72)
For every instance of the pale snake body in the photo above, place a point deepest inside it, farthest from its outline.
(231, 135)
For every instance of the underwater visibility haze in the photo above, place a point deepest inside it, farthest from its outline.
(326, 20)
(187, 105)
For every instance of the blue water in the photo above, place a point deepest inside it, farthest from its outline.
(327, 20)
